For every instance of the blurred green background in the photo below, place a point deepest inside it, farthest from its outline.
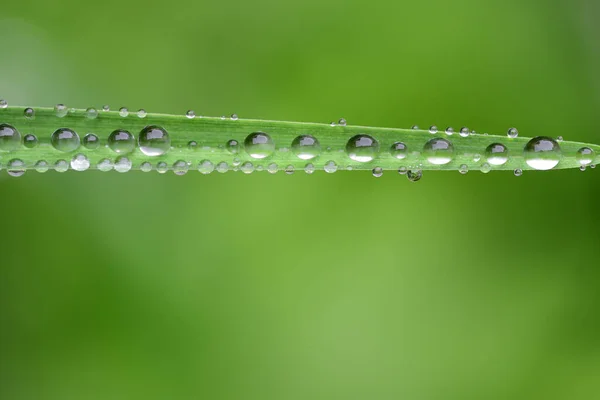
(148, 286)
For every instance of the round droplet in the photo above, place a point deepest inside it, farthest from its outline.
(438, 151)
(496, 154)
(234, 117)
(60, 110)
(42, 166)
(142, 113)
(123, 112)
(342, 122)
(593, 166)
(233, 146)
(259, 145)
(485, 168)
(236, 162)
(91, 141)
(476, 157)
(61, 166)
(289, 170)
(162, 167)
(105, 165)
(206, 167)
(122, 164)
(433, 129)
(362, 148)
(330, 167)
(414, 176)
(10, 138)
(154, 141)
(91, 113)
(272, 168)
(559, 139)
(15, 168)
(582, 168)
(377, 172)
(399, 150)
(464, 131)
(585, 156)
(260, 168)
(180, 167)
(463, 169)
(121, 141)
(542, 153)
(449, 130)
(65, 140)
(190, 114)
(415, 127)
(146, 167)
(309, 168)
(192, 145)
(29, 113)
(402, 170)
(30, 141)
(106, 108)
(3, 104)
(80, 163)
(306, 147)
(512, 133)
(247, 167)
(518, 172)
(222, 167)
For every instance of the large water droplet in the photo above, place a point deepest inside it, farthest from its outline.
(438, 151)
(65, 140)
(206, 167)
(306, 147)
(542, 153)
(80, 163)
(362, 148)
(91, 141)
(121, 141)
(414, 176)
(496, 154)
(259, 145)
(585, 156)
(154, 141)
(15, 168)
(122, 164)
(399, 150)
(10, 138)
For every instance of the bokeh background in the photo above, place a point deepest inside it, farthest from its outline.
(148, 286)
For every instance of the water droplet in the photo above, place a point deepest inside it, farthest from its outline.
(377, 172)
(162, 167)
(123, 112)
(585, 156)
(192, 145)
(582, 168)
(80, 163)
(559, 139)
(223, 118)
(330, 167)
(414, 176)
(206, 167)
(309, 168)
(42, 166)
(3, 104)
(399, 150)
(65, 140)
(518, 172)
(16, 168)
(449, 130)
(61, 166)
(222, 167)
(433, 129)
(542, 153)
(91, 113)
(512, 133)
(30, 141)
(121, 141)
(190, 114)
(234, 117)
(247, 167)
(29, 113)
(233, 146)
(105, 165)
(415, 127)
(463, 169)
(259, 145)
(60, 110)
(342, 122)
(146, 167)
(476, 157)
(10, 138)
(259, 168)
(496, 154)
(106, 108)
(362, 148)
(332, 124)
(402, 170)
(91, 141)
(438, 151)
(180, 167)
(236, 162)
(289, 170)
(306, 147)
(154, 141)
(122, 164)
(593, 166)
(485, 168)
(464, 131)
(142, 113)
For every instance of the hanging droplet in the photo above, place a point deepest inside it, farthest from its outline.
(330, 167)
(259, 145)
(91, 141)
(438, 151)
(146, 167)
(190, 114)
(61, 166)
(362, 148)
(122, 164)
(289, 170)
(463, 169)
(154, 141)
(377, 172)
(309, 168)
(105, 165)
(272, 168)
(306, 147)
(29, 113)
(233, 146)
(91, 113)
(42, 166)
(65, 140)
(585, 156)
(121, 141)
(414, 176)
(162, 167)
(30, 141)
(433, 129)
(464, 132)
(542, 153)
(247, 167)
(180, 167)
(123, 112)
(512, 133)
(399, 150)
(60, 110)
(10, 138)
(142, 113)
(15, 168)
(206, 167)
(496, 154)
(80, 163)
(449, 131)
(518, 172)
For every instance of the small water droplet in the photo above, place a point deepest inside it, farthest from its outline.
(162, 167)
(402, 170)
(15, 168)
(3, 104)
(463, 169)
(272, 168)
(582, 168)
(42, 166)
(247, 167)
(206, 167)
(65, 140)
(289, 170)
(122, 164)
(234, 117)
(61, 166)
(236, 162)
(222, 167)
(233, 146)
(377, 172)
(309, 168)
(180, 167)
(449, 130)
(80, 163)
(154, 141)
(438, 151)
(123, 112)
(259, 145)
(559, 139)
(585, 156)
(192, 145)
(121, 141)
(146, 167)
(105, 165)
(10, 138)
(91, 141)
(30, 141)
(512, 133)
(342, 122)
(415, 127)
(593, 166)
(142, 113)
(485, 168)
(60, 110)
(542, 153)
(476, 157)
(223, 118)
(29, 113)
(362, 148)
(91, 113)
(106, 108)
(260, 168)
(330, 167)
(414, 176)
(306, 147)
(433, 129)
(190, 114)
(518, 172)
(332, 124)
(464, 132)
(496, 154)
(399, 150)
